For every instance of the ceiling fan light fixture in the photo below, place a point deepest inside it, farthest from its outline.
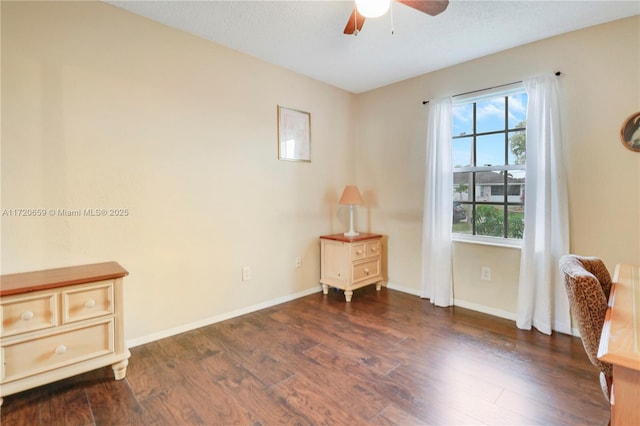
(372, 8)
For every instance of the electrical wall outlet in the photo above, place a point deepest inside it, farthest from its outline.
(246, 273)
(485, 273)
(298, 262)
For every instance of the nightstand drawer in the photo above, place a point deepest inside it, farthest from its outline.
(28, 313)
(366, 270)
(365, 249)
(373, 248)
(358, 251)
(84, 302)
(34, 356)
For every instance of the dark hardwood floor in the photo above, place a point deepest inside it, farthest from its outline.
(386, 358)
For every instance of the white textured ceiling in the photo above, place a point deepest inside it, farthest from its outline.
(306, 36)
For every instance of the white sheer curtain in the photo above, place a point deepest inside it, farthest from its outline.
(542, 301)
(438, 202)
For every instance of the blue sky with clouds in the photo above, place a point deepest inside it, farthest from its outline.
(490, 117)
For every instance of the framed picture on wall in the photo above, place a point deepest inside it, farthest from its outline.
(630, 132)
(294, 134)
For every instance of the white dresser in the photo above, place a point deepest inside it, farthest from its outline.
(61, 322)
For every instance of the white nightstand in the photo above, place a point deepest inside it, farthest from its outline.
(349, 263)
(61, 322)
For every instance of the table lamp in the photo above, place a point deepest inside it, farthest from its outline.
(351, 196)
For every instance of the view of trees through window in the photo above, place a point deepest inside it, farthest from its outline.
(489, 160)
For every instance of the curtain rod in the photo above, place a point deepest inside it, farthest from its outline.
(487, 88)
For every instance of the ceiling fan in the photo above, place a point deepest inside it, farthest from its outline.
(374, 8)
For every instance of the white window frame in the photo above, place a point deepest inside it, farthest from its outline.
(502, 91)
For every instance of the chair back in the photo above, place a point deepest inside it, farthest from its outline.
(588, 285)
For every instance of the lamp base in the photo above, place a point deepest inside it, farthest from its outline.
(352, 232)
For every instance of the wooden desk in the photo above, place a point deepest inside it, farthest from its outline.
(620, 345)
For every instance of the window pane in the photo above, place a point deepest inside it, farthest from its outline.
(462, 153)
(490, 115)
(515, 221)
(515, 181)
(518, 147)
(462, 185)
(490, 150)
(461, 218)
(517, 110)
(490, 220)
(490, 187)
(462, 119)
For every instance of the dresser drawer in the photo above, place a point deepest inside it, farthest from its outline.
(365, 270)
(84, 302)
(34, 356)
(28, 313)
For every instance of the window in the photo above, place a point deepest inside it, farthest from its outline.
(489, 160)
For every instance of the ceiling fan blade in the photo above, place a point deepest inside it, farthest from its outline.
(355, 18)
(430, 7)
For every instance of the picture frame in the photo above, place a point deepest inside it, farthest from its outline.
(630, 132)
(294, 135)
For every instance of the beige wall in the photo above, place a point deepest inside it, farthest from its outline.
(601, 84)
(105, 109)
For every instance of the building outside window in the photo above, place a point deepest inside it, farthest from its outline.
(489, 161)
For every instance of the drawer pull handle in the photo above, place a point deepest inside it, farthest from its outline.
(61, 349)
(374, 249)
(358, 251)
(89, 303)
(366, 271)
(26, 316)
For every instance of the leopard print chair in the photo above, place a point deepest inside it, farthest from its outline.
(588, 285)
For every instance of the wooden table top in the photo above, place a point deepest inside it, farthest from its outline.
(53, 278)
(620, 340)
(341, 237)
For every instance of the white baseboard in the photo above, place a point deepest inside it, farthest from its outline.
(485, 309)
(408, 290)
(499, 313)
(462, 303)
(218, 318)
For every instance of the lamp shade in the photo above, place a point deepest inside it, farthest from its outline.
(351, 195)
